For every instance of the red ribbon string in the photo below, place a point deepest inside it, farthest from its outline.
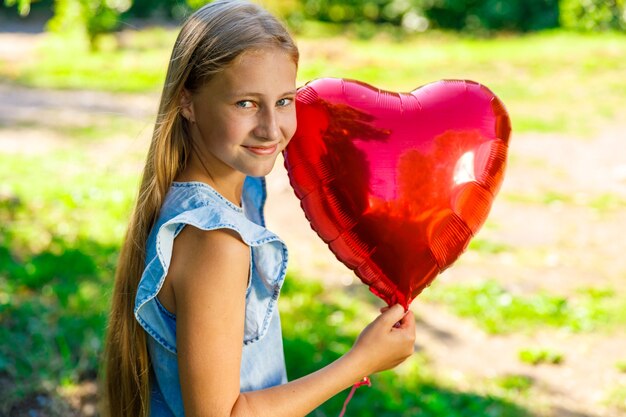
(364, 381)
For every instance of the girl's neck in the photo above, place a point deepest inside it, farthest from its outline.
(229, 185)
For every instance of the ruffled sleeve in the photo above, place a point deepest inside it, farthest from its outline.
(268, 256)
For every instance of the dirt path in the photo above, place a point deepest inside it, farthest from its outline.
(559, 247)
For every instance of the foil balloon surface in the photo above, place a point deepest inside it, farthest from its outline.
(397, 183)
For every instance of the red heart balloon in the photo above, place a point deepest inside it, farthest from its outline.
(397, 183)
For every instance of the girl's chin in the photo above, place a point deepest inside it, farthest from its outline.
(262, 169)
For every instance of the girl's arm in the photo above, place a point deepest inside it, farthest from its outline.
(208, 278)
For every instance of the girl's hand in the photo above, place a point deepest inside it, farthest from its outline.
(387, 341)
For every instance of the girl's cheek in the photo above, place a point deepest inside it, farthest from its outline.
(294, 123)
(288, 124)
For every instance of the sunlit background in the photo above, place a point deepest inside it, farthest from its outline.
(530, 321)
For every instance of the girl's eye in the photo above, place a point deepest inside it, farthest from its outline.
(283, 102)
(245, 104)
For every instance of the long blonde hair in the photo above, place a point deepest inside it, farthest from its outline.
(208, 42)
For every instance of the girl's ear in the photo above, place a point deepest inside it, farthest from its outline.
(186, 106)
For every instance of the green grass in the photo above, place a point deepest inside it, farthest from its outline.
(66, 62)
(617, 397)
(319, 326)
(60, 230)
(67, 197)
(601, 203)
(538, 76)
(486, 246)
(514, 383)
(535, 356)
(498, 311)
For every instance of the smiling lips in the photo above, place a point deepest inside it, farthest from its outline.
(262, 150)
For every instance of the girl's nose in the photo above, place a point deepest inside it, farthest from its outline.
(267, 126)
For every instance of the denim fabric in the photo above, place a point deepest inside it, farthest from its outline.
(197, 204)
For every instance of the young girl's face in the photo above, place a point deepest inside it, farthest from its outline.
(245, 115)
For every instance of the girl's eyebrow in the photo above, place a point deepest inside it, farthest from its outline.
(253, 94)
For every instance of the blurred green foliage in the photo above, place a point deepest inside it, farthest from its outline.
(91, 17)
(593, 15)
(480, 16)
(475, 16)
(368, 17)
(22, 6)
(94, 18)
(365, 18)
(172, 9)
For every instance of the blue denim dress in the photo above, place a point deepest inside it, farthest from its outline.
(197, 204)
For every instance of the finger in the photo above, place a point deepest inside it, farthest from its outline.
(393, 314)
(407, 322)
(382, 310)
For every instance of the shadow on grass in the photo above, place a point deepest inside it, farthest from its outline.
(53, 308)
(319, 325)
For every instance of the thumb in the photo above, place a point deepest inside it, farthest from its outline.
(393, 315)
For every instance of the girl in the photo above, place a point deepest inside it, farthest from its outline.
(194, 328)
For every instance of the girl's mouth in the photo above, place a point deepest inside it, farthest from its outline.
(262, 150)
